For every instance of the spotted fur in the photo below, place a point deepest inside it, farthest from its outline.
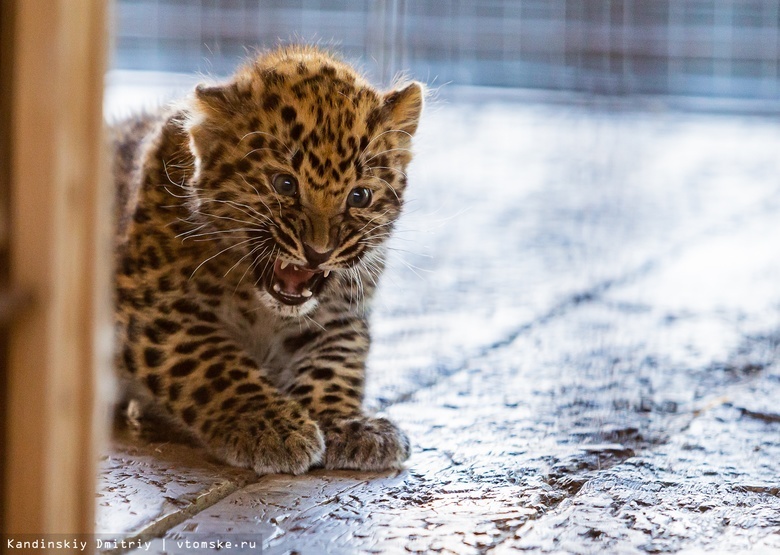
(247, 257)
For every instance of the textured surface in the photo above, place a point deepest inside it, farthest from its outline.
(579, 331)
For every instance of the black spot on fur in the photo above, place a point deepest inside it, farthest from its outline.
(153, 383)
(132, 329)
(228, 403)
(152, 258)
(238, 375)
(202, 395)
(189, 415)
(200, 330)
(247, 388)
(294, 343)
(297, 159)
(208, 317)
(289, 114)
(164, 284)
(185, 307)
(226, 170)
(129, 360)
(271, 102)
(153, 357)
(246, 361)
(149, 296)
(302, 390)
(215, 370)
(258, 141)
(331, 399)
(296, 131)
(124, 296)
(174, 390)
(322, 374)
(141, 216)
(243, 165)
(183, 368)
(209, 354)
(187, 348)
(167, 326)
(220, 384)
(153, 334)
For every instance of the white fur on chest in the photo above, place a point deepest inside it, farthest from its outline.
(263, 340)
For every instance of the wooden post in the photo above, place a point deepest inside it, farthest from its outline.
(59, 346)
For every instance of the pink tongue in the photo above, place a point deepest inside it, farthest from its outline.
(292, 279)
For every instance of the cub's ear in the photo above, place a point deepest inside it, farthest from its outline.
(205, 113)
(216, 100)
(404, 107)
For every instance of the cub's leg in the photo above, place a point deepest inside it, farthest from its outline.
(328, 378)
(204, 378)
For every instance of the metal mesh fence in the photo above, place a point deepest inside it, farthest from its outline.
(720, 48)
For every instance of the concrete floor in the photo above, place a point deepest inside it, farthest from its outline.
(579, 330)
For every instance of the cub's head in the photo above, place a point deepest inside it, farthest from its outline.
(300, 168)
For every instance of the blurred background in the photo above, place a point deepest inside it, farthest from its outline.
(710, 48)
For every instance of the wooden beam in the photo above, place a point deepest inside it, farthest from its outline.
(6, 55)
(59, 234)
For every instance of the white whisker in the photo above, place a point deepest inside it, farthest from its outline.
(220, 252)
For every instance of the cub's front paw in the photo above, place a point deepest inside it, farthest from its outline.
(364, 443)
(269, 445)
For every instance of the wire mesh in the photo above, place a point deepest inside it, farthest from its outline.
(726, 48)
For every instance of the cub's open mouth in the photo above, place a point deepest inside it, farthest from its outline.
(294, 285)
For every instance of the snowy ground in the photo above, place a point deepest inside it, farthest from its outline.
(579, 329)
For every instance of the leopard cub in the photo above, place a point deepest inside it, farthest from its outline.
(252, 222)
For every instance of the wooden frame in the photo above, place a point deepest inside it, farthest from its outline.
(59, 257)
(6, 54)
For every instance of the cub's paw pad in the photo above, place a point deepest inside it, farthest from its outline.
(364, 443)
(270, 446)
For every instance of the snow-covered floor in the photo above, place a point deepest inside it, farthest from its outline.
(580, 331)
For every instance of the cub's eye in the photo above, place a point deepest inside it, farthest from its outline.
(285, 184)
(359, 197)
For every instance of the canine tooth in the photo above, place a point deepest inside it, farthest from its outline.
(277, 287)
(284, 264)
(326, 274)
(306, 293)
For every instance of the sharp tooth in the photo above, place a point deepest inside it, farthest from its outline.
(327, 273)
(306, 293)
(277, 287)
(284, 264)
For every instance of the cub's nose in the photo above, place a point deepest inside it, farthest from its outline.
(315, 257)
